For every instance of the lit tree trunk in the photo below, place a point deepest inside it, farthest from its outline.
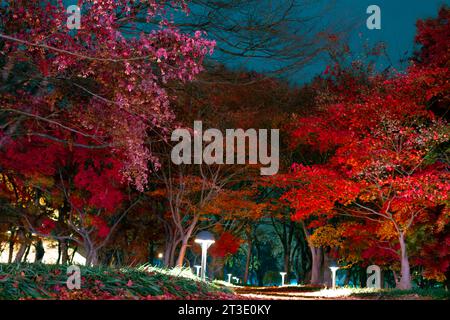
(405, 276)
(316, 253)
(22, 247)
(20, 253)
(27, 252)
(326, 272)
(185, 240)
(182, 253)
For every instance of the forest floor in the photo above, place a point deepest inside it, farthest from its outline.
(314, 293)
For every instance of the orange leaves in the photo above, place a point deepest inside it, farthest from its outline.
(327, 236)
(240, 204)
(160, 192)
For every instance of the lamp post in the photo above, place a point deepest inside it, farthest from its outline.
(229, 277)
(333, 268)
(159, 260)
(283, 274)
(197, 270)
(205, 239)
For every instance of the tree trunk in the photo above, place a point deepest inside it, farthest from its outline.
(167, 252)
(11, 247)
(185, 240)
(151, 252)
(219, 265)
(64, 252)
(73, 254)
(91, 256)
(172, 252)
(287, 260)
(316, 253)
(247, 260)
(40, 251)
(405, 275)
(92, 259)
(182, 253)
(20, 253)
(347, 277)
(362, 278)
(22, 247)
(326, 272)
(27, 252)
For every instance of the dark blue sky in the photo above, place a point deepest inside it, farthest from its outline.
(398, 18)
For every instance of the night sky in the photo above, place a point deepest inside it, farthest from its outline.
(398, 18)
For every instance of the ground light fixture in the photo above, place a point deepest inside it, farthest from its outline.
(197, 270)
(205, 239)
(283, 274)
(333, 268)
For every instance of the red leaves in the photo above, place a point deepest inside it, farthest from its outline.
(47, 225)
(227, 244)
(379, 140)
(318, 189)
(31, 157)
(102, 183)
(101, 226)
(127, 72)
(43, 67)
(434, 37)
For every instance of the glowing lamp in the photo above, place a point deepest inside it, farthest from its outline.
(197, 270)
(283, 274)
(333, 267)
(205, 239)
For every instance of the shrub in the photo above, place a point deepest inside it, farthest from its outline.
(40, 281)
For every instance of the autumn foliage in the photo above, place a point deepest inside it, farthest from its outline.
(85, 154)
(385, 167)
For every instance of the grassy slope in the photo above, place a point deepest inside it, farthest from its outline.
(39, 281)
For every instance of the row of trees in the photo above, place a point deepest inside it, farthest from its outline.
(378, 187)
(85, 151)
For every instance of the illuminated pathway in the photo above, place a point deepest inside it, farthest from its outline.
(313, 293)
